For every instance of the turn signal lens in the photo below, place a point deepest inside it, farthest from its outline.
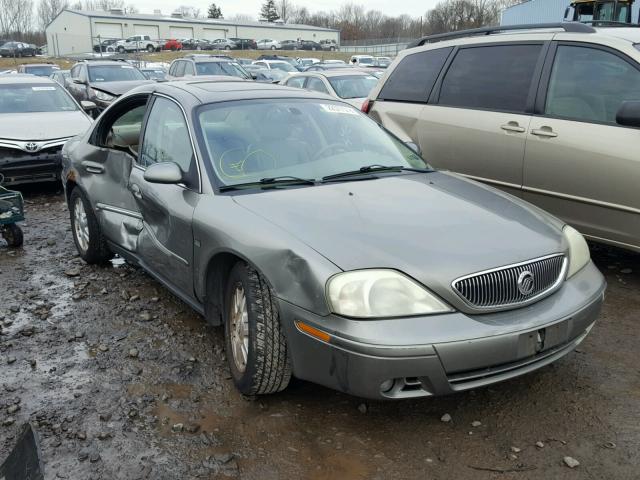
(314, 332)
(366, 106)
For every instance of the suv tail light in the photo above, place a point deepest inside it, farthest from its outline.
(366, 106)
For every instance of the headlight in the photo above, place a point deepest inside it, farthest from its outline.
(579, 254)
(105, 97)
(380, 293)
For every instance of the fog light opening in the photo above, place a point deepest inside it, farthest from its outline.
(387, 385)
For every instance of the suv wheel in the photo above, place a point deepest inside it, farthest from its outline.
(255, 344)
(87, 235)
(151, 48)
(273, 47)
(120, 49)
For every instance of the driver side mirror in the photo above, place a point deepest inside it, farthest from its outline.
(628, 114)
(414, 146)
(165, 172)
(87, 106)
(79, 81)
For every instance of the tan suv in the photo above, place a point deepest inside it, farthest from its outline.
(550, 114)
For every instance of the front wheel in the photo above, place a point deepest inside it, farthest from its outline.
(87, 235)
(151, 48)
(12, 234)
(227, 47)
(121, 49)
(254, 338)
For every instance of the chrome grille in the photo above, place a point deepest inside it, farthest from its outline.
(498, 288)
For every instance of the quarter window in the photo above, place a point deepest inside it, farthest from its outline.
(493, 78)
(179, 69)
(297, 82)
(316, 85)
(413, 79)
(188, 68)
(589, 84)
(166, 139)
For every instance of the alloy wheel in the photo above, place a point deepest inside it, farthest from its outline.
(81, 225)
(239, 329)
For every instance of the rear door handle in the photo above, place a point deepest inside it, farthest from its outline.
(135, 189)
(512, 127)
(92, 167)
(544, 132)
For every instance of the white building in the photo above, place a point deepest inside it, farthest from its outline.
(76, 31)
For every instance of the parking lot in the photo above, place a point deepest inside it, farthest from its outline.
(122, 380)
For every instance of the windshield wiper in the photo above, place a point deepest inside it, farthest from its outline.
(374, 169)
(270, 182)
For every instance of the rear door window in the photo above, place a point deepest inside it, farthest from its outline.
(413, 79)
(316, 85)
(589, 84)
(496, 77)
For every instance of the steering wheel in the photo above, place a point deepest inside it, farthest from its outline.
(337, 147)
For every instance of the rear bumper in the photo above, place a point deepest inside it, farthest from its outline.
(443, 354)
(20, 167)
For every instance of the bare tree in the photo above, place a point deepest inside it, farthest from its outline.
(240, 18)
(286, 9)
(48, 10)
(16, 17)
(188, 11)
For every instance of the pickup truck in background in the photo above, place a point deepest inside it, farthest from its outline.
(138, 42)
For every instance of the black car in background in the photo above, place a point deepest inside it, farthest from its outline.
(17, 49)
(310, 45)
(244, 43)
(108, 45)
(102, 81)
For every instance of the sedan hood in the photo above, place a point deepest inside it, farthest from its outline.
(42, 125)
(435, 227)
(118, 88)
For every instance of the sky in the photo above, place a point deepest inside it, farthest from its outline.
(415, 8)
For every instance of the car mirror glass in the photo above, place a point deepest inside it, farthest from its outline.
(628, 114)
(165, 172)
(414, 146)
(79, 81)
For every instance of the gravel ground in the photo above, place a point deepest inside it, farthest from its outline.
(123, 381)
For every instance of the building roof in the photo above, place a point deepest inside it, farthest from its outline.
(198, 21)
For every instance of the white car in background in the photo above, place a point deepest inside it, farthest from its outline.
(268, 44)
(361, 60)
(346, 84)
(277, 64)
(307, 62)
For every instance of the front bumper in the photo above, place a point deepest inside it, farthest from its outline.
(19, 167)
(443, 354)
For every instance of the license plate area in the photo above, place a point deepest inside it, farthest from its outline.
(538, 341)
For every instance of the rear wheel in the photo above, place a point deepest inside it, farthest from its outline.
(120, 49)
(254, 338)
(273, 47)
(12, 234)
(151, 48)
(227, 47)
(87, 235)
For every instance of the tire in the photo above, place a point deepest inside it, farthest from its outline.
(151, 48)
(93, 247)
(273, 47)
(12, 234)
(333, 49)
(227, 47)
(173, 48)
(198, 47)
(120, 49)
(267, 368)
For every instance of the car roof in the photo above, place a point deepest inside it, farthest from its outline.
(204, 58)
(207, 91)
(104, 62)
(341, 72)
(24, 78)
(40, 65)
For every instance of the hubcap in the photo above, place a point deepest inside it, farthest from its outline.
(239, 329)
(80, 225)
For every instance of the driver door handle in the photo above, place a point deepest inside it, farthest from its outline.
(512, 127)
(92, 167)
(135, 189)
(544, 132)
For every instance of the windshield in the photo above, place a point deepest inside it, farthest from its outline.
(220, 68)
(40, 71)
(35, 98)
(254, 139)
(114, 73)
(353, 86)
(284, 66)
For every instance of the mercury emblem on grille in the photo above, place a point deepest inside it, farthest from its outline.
(525, 282)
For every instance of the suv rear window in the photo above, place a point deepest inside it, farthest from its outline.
(413, 79)
(493, 78)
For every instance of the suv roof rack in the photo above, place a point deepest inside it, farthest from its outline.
(105, 59)
(610, 23)
(573, 27)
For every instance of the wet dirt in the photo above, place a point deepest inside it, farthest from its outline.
(171, 411)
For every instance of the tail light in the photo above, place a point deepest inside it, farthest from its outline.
(366, 106)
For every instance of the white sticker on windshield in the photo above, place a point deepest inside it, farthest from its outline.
(338, 109)
(40, 89)
(126, 66)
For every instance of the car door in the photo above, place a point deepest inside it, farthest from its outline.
(479, 112)
(166, 244)
(77, 89)
(105, 169)
(579, 163)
